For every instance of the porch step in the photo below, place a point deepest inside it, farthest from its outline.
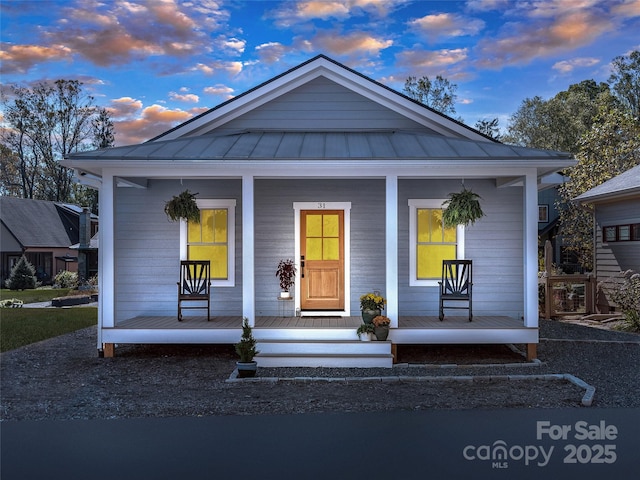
(324, 353)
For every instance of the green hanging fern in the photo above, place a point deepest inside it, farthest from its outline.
(462, 208)
(183, 206)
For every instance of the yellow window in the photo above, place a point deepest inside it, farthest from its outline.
(322, 237)
(434, 243)
(208, 240)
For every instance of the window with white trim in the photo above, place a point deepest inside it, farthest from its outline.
(430, 242)
(212, 239)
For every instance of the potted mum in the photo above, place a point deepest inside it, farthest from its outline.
(371, 305)
(286, 272)
(365, 332)
(381, 327)
(246, 349)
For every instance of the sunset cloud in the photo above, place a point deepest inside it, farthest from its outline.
(135, 124)
(567, 66)
(184, 97)
(443, 25)
(230, 68)
(292, 13)
(21, 58)
(271, 52)
(346, 44)
(220, 91)
(117, 32)
(520, 43)
(432, 62)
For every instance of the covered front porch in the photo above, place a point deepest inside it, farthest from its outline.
(321, 341)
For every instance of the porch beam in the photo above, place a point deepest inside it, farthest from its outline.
(531, 249)
(248, 250)
(391, 246)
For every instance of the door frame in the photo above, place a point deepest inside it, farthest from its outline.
(346, 208)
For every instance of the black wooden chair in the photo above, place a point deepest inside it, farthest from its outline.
(456, 286)
(194, 285)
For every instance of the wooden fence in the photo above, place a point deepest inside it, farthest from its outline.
(568, 295)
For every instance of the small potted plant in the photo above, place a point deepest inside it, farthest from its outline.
(462, 208)
(183, 206)
(381, 327)
(371, 305)
(365, 332)
(286, 272)
(246, 349)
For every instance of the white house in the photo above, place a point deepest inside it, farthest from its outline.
(324, 163)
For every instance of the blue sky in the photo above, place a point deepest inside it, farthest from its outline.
(157, 63)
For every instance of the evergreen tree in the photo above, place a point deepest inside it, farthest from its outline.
(23, 276)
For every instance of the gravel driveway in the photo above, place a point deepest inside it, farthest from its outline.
(62, 378)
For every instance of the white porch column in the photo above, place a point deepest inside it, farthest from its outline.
(531, 249)
(106, 256)
(248, 251)
(391, 253)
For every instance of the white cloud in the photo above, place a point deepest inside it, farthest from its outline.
(567, 66)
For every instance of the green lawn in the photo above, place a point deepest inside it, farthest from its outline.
(34, 295)
(22, 326)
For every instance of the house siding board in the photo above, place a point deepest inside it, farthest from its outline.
(613, 257)
(494, 244)
(321, 104)
(275, 221)
(146, 241)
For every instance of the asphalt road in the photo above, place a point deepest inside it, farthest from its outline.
(523, 444)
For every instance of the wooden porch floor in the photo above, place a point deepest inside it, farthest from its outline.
(274, 322)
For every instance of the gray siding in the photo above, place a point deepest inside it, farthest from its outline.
(494, 244)
(321, 105)
(275, 232)
(613, 257)
(146, 241)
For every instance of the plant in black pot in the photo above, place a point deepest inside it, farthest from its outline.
(286, 272)
(183, 206)
(246, 349)
(462, 208)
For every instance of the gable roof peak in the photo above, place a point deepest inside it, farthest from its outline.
(322, 65)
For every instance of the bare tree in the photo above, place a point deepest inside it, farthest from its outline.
(439, 94)
(45, 124)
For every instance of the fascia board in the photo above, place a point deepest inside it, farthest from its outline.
(620, 195)
(341, 169)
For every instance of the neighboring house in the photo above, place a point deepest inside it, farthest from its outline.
(616, 205)
(346, 176)
(44, 232)
(549, 224)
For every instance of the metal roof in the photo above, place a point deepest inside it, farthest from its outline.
(269, 145)
(627, 183)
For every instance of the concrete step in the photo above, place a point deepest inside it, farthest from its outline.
(320, 347)
(330, 361)
(324, 353)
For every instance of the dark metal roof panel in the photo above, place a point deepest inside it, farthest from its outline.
(36, 223)
(330, 145)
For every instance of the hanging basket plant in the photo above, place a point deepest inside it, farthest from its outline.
(183, 206)
(462, 208)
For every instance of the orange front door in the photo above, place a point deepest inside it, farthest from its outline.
(322, 259)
